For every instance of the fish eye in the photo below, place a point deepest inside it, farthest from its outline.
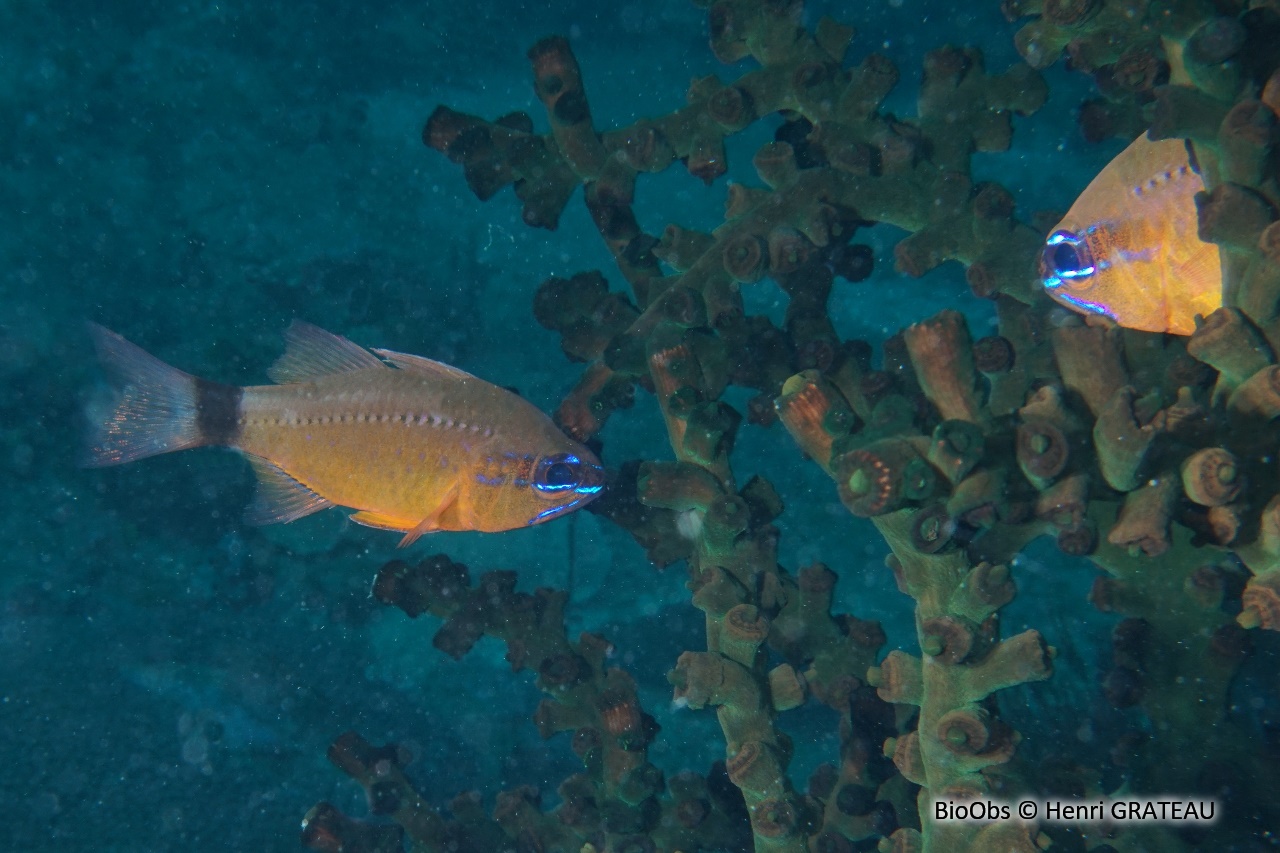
(1066, 259)
(561, 474)
(558, 473)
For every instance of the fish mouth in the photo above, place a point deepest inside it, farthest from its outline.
(593, 477)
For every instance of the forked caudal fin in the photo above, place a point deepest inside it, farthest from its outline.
(157, 408)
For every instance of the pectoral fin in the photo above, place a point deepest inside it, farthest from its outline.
(429, 524)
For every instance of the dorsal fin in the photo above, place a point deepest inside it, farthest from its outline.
(418, 364)
(310, 352)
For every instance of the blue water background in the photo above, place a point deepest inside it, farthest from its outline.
(194, 176)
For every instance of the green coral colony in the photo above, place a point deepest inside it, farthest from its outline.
(1152, 455)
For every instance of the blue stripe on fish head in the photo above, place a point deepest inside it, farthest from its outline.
(1086, 306)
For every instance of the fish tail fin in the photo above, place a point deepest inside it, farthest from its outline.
(156, 408)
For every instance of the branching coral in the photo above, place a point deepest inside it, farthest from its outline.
(617, 802)
(1150, 454)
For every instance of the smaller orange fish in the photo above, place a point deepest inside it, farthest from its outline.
(412, 444)
(1129, 247)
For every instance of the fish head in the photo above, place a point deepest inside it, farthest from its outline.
(1073, 269)
(1129, 247)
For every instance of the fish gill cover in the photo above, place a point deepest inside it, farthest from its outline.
(1081, 520)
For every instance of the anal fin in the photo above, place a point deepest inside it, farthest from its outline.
(280, 498)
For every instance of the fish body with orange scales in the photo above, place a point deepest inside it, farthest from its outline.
(412, 444)
(1129, 247)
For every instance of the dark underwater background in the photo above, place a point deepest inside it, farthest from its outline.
(196, 175)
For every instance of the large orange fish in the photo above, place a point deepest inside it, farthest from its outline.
(1128, 248)
(412, 444)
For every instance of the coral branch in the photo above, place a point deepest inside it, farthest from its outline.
(1129, 448)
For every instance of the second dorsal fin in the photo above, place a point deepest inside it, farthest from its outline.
(418, 364)
(310, 352)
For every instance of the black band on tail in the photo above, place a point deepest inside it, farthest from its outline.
(218, 412)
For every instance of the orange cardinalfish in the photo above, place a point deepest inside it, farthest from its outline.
(412, 444)
(1129, 247)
